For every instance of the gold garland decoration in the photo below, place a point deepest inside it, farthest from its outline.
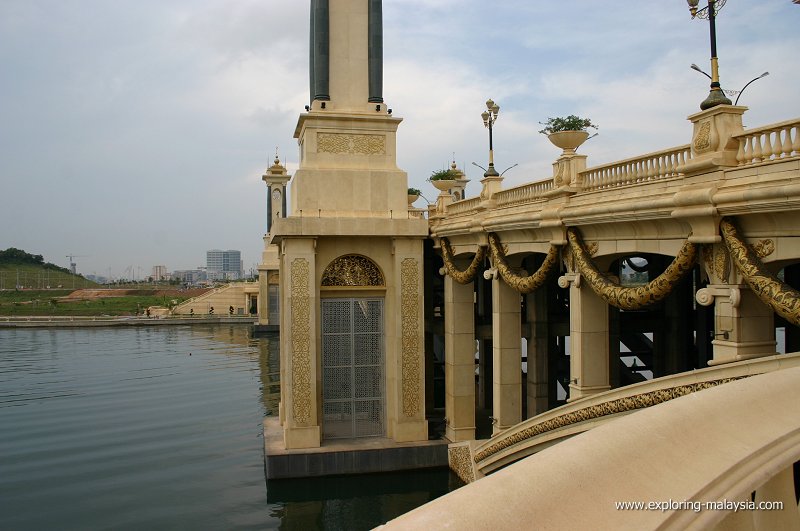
(466, 276)
(520, 283)
(782, 298)
(631, 298)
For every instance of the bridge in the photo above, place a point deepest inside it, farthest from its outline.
(642, 271)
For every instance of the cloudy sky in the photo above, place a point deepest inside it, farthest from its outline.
(135, 132)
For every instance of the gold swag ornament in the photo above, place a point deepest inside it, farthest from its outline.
(631, 298)
(522, 284)
(466, 276)
(782, 298)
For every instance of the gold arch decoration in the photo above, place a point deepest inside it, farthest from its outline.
(466, 276)
(522, 284)
(782, 298)
(352, 270)
(631, 298)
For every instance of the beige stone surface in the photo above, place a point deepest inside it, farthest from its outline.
(734, 439)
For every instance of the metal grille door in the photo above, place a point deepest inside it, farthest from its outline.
(352, 368)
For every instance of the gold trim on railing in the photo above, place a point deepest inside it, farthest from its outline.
(612, 407)
(782, 298)
(466, 276)
(522, 284)
(633, 298)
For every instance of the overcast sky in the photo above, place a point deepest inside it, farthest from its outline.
(135, 133)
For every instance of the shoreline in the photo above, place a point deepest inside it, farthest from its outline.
(98, 321)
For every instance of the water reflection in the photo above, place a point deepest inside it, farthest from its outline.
(162, 428)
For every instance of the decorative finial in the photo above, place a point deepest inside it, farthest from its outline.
(277, 159)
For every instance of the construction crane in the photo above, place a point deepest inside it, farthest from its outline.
(72, 265)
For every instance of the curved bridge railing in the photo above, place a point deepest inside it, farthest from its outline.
(474, 460)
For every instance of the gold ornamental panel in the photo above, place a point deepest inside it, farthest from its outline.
(300, 331)
(341, 143)
(352, 270)
(409, 330)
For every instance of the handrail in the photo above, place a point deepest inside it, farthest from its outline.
(768, 143)
(463, 206)
(651, 167)
(523, 193)
(524, 436)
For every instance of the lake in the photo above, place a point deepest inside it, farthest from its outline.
(161, 428)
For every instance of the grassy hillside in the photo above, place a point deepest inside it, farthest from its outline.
(59, 302)
(38, 277)
(22, 270)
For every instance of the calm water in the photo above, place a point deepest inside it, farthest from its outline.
(160, 428)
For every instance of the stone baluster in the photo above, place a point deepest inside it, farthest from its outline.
(740, 155)
(756, 148)
(786, 146)
(796, 143)
(767, 154)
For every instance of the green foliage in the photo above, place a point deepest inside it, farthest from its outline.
(570, 123)
(14, 256)
(414, 191)
(444, 175)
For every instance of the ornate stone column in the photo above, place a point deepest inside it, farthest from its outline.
(588, 332)
(506, 356)
(459, 359)
(407, 417)
(743, 326)
(299, 355)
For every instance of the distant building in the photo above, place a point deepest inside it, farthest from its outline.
(189, 276)
(160, 273)
(224, 265)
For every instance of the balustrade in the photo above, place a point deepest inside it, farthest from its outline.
(524, 193)
(769, 143)
(461, 207)
(651, 167)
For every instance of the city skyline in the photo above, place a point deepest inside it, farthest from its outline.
(140, 130)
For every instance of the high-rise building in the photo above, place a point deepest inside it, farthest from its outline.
(224, 265)
(159, 273)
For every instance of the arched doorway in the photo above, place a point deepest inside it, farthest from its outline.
(353, 350)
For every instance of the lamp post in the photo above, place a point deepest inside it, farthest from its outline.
(715, 96)
(489, 118)
(765, 74)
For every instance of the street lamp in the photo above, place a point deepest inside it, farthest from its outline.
(715, 96)
(489, 118)
(765, 74)
(737, 93)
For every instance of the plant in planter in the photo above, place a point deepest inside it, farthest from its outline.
(568, 132)
(444, 179)
(413, 195)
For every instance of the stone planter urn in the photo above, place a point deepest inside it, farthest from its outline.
(444, 184)
(412, 198)
(569, 141)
